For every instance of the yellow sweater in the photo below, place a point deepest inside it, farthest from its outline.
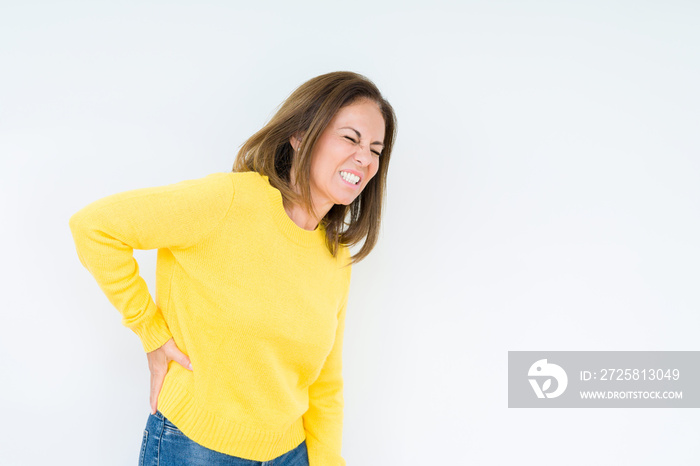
(256, 302)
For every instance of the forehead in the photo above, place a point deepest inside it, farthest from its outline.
(365, 116)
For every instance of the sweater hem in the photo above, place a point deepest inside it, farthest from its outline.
(222, 435)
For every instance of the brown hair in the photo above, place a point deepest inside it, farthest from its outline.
(308, 110)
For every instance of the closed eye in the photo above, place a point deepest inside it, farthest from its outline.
(378, 154)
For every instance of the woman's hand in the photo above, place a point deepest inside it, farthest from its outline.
(158, 365)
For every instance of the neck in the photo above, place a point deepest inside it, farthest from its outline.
(301, 216)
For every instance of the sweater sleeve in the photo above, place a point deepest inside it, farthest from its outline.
(107, 231)
(323, 421)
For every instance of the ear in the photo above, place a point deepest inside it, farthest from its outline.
(295, 140)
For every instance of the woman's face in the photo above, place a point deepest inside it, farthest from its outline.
(346, 154)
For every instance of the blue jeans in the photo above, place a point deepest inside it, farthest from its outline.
(165, 445)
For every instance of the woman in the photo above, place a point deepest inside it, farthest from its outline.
(244, 340)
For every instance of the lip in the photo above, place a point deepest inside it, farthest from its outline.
(354, 172)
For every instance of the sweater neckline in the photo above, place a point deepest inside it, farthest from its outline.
(290, 229)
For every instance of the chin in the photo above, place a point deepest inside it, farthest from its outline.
(346, 201)
(344, 198)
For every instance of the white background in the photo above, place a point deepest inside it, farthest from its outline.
(543, 194)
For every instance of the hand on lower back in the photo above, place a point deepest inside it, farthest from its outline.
(158, 365)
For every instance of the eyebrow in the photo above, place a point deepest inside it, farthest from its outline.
(360, 136)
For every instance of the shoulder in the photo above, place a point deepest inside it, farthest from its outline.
(225, 183)
(218, 183)
(249, 180)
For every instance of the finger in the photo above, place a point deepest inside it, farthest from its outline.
(181, 358)
(156, 384)
(184, 361)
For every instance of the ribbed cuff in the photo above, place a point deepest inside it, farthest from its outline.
(153, 331)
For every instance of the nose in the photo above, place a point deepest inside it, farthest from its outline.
(363, 156)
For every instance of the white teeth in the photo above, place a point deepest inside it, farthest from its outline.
(350, 178)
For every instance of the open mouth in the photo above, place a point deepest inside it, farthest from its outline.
(349, 177)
